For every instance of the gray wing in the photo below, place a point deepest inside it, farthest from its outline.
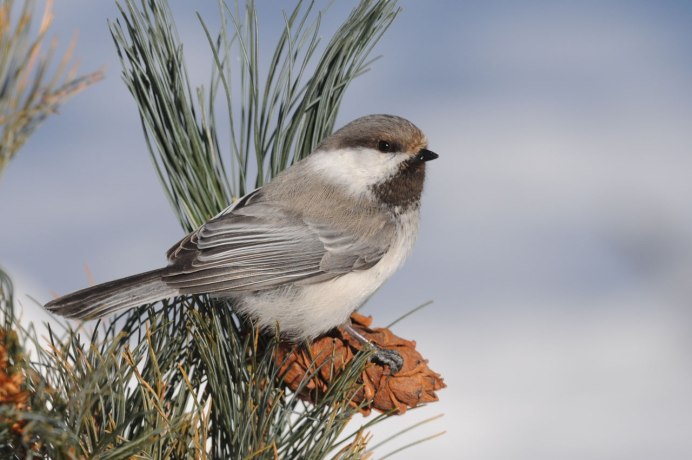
(258, 245)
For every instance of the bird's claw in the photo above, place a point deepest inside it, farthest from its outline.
(391, 358)
(382, 356)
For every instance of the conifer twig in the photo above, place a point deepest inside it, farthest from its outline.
(28, 94)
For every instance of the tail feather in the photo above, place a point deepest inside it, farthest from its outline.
(104, 299)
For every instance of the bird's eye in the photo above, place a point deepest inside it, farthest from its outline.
(384, 146)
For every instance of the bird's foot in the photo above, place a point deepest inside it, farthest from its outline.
(391, 358)
(382, 356)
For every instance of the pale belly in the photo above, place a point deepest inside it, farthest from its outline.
(307, 311)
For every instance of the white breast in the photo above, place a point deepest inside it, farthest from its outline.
(311, 310)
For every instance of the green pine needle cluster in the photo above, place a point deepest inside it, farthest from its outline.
(28, 91)
(273, 119)
(184, 380)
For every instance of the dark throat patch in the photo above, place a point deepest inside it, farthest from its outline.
(403, 190)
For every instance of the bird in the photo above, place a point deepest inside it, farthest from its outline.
(305, 250)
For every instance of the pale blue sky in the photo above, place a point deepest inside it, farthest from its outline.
(556, 238)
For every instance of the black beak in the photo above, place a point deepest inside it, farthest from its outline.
(426, 155)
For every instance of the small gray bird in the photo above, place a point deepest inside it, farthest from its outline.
(305, 250)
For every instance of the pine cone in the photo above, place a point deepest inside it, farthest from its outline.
(414, 384)
(12, 378)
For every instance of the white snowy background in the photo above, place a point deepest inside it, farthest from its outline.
(556, 239)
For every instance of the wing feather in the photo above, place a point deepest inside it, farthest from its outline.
(258, 245)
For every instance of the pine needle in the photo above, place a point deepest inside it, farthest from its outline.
(411, 444)
(409, 313)
(405, 430)
(28, 95)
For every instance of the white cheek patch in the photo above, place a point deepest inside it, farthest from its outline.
(356, 169)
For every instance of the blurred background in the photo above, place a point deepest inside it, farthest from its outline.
(556, 239)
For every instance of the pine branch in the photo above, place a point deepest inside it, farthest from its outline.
(28, 95)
